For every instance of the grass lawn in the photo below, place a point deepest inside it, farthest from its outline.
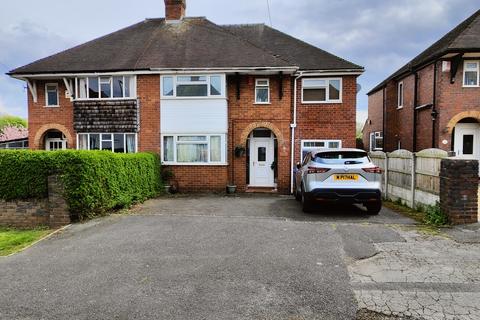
(13, 240)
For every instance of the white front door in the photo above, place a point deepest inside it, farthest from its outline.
(261, 160)
(467, 140)
(55, 144)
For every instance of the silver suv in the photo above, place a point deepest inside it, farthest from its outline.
(338, 176)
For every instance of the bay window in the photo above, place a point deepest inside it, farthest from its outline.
(471, 74)
(322, 90)
(115, 142)
(194, 149)
(193, 86)
(105, 87)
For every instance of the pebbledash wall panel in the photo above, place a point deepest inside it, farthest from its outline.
(106, 116)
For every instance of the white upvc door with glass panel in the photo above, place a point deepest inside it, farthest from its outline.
(55, 144)
(467, 140)
(261, 160)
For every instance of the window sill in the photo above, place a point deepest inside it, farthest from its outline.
(195, 98)
(323, 102)
(262, 103)
(52, 106)
(197, 164)
(400, 108)
(465, 86)
(106, 99)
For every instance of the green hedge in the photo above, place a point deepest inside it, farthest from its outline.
(95, 181)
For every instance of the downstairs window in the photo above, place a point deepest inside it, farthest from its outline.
(194, 149)
(311, 145)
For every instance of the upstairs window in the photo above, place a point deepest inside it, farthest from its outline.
(193, 86)
(51, 95)
(322, 90)
(106, 87)
(262, 91)
(471, 74)
(400, 95)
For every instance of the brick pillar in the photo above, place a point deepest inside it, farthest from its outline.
(59, 213)
(459, 190)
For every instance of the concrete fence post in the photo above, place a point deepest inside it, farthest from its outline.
(386, 175)
(413, 180)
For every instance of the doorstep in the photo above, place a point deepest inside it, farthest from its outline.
(252, 189)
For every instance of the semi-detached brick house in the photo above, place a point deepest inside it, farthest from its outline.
(235, 104)
(434, 100)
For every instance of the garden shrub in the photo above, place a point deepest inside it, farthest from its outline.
(95, 181)
(434, 215)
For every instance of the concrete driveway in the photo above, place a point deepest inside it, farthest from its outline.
(210, 257)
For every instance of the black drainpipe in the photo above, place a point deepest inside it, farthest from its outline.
(415, 105)
(434, 103)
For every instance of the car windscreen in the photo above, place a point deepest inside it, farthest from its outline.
(341, 157)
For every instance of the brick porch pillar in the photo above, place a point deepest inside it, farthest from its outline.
(459, 190)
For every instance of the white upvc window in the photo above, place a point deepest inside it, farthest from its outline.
(321, 90)
(193, 86)
(51, 95)
(400, 90)
(471, 73)
(194, 149)
(376, 141)
(311, 145)
(106, 87)
(262, 91)
(115, 142)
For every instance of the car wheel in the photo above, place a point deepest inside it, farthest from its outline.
(306, 204)
(374, 209)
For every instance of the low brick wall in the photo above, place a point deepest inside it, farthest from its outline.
(459, 190)
(51, 211)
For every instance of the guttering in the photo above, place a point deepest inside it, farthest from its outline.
(332, 72)
(293, 126)
(287, 70)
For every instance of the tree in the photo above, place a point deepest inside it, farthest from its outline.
(12, 121)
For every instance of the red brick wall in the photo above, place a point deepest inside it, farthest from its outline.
(201, 178)
(41, 118)
(424, 118)
(148, 91)
(335, 121)
(244, 116)
(375, 117)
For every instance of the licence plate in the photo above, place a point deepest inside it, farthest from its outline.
(345, 177)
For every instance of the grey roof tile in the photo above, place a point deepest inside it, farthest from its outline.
(193, 43)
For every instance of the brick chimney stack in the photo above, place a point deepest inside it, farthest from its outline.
(175, 9)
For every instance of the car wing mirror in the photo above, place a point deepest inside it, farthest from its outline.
(299, 165)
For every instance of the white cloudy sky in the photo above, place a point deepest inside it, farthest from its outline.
(380, 35)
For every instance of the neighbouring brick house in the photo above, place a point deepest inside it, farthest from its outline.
(434, 100)
(234, 104)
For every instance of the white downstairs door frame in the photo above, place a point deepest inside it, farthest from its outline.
(462, 129)
(261, 172)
